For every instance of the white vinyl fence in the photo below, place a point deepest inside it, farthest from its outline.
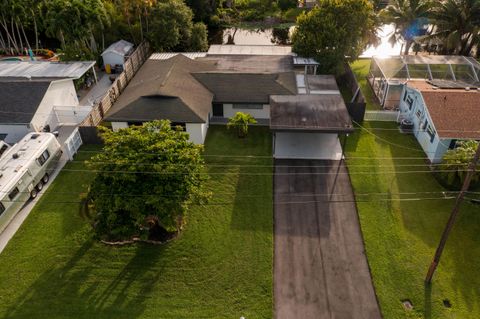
(385, 116)
(73, 143)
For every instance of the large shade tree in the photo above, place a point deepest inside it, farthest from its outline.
(147, 178)
(409, 18)
(333, 31)
(456, 162)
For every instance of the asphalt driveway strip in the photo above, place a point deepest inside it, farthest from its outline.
(320, 266)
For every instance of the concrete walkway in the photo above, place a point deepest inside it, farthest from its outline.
(20, 217)
(320, 267)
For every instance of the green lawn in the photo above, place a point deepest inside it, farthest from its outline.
(219, 267)
(401, 236)
(361, 68)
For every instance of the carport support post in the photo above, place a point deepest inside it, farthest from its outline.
(453, 216)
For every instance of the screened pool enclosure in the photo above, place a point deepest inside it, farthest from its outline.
(388, 74)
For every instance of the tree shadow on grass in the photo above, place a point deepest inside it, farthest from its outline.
(78, 289)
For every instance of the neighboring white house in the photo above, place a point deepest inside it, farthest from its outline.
(39, 96)
(441, 116)
(117, 53)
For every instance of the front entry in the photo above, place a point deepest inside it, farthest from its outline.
(217, 109)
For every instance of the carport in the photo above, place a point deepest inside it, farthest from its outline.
(308, 126)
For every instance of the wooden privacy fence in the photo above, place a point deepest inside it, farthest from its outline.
(130, 67)
(356, 107)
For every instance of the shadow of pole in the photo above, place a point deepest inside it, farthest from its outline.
(428, 301)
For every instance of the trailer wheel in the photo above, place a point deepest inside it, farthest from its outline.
(45, 178)
(39, 186)
(33, 194)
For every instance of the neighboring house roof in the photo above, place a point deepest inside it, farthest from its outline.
(310, 112)
(168, 55)
(43, 69)
(247, 87)
(165, 89)
(121, 47)
(455, 113)
(240, 49)
(19, 100)
(251, 63)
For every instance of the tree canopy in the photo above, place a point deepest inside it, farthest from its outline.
(333, 31)
(456, 162)
(147, 178)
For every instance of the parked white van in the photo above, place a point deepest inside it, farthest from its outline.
(24, 169)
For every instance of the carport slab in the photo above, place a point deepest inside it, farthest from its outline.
(297, 145)
(320, 267)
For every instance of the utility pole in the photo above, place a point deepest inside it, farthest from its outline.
(453, 216)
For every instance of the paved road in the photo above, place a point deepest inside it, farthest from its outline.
(320, 267)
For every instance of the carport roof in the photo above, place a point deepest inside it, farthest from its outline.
(325, 113)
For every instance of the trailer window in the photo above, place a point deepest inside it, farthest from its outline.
(2, 208)
(43, 158)
(13, 193)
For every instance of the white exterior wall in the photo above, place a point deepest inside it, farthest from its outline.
(197, 132)
(112, 59)
(119, 125)
(60, 93)
(15, 132)
(264, 113)
(418, 115)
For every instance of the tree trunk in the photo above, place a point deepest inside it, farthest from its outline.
(407, 47)
(19, 35)
(25, 36)
(35, 28)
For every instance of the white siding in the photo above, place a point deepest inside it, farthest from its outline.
(263, 113)
(418, 114)
(15, 132)
(118, 125)
(112, 59)
(197, 132)
(60, 93)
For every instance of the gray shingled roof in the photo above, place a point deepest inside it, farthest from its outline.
(247, 87)
(19, 100)
(165, 89)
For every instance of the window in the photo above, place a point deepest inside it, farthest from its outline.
(405, 95)
(13, 193)
(248, 106)
(409, 102)
(418, 113)
(43, 158)
(3, 149)
(2, 208)
(431, 132)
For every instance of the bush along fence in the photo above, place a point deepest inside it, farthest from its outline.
(356, 106)
(130, 67)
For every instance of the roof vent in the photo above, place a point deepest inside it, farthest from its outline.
(434, 87)
(467, 88)
(34, 136)
(15, 155)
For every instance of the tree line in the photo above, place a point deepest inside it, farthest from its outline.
(82, 28)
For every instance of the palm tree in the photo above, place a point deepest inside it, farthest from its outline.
(457, 24)
(408, 17)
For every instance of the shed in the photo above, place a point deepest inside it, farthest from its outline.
(117, 53)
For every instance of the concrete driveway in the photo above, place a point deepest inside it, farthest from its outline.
(320, 267)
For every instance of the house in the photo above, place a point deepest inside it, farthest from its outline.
(117, 53)
(39, 96)
(442, 113)
(195, 90)
(388, 75)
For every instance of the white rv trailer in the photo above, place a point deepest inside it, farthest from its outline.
(24, 169)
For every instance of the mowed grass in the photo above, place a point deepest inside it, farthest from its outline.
(219, 267)
(401, 235)
(361, 68)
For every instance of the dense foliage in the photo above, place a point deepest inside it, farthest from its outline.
(456, 162)
(333, 30)
(88, 26)
(147, 177)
